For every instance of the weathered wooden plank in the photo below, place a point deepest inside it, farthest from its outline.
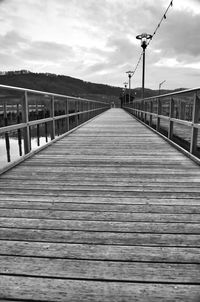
(17, 183)
(100, 252)
(109, 163)
(162, 200)
(134, 169)
(100, 216)
(130, 207)
(46, 289)
(100, 193)
(101, 270)
(103, 226)
(93, 187)
(101, 179)
(94, 237)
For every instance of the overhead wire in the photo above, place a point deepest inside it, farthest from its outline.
(164, 17)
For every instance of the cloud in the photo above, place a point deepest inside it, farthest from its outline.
(11, 42)
(124, 50)
(181, 35)
(20, 52)
(172, 62)
(33, 50)
(46, 51)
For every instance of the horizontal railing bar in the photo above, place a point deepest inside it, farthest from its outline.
(182, 122)
(12, 127)
(82, 110)
(144, 113)
(168, 94)
(50, 94)
(175, 120)
(42, 121)
(35, 151)
(178, 147)
(196, 126)
(58, 117)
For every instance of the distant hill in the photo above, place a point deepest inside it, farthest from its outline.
(67, 85)
(60, 84)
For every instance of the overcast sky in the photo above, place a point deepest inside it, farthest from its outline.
(94, 40)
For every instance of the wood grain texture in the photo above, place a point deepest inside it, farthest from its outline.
(100, 252)
(109, 213)
(47, 289)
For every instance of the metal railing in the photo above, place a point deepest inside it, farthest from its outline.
(174, 115)
(30, 118)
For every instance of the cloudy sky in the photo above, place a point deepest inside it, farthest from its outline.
(94, 40)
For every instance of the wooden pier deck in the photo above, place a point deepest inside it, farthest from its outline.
(110, 213)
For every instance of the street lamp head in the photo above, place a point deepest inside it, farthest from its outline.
(125, 84)
(130, 73)
(144, 38)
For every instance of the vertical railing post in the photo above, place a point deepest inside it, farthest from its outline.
(171, 115)
(145, 109)
(38, 126)
(151, 110)
(76, 112)
(6, 133)
(182, 110)
(95, 107)
(80, 110)
(92, 109)
(142, 109)
(88, 108)
(25, 119)
(139, 108)
(19, 132)
(67, 113)
(135, 107)
(195, 119)
(85, 110)
(158, 113)
(52, 116)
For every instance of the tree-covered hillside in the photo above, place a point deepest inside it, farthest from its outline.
(69, 86)
(60, 84)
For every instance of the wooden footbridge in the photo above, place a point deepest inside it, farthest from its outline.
(110, 212)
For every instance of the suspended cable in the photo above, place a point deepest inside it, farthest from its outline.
(164, 17)
(138, 63)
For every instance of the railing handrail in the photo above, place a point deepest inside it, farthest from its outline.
(60, 108)
(168, 94)
(50, 94)
(145, 110)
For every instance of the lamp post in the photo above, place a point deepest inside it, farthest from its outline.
(130, 74)
(160, 86)
(125, 86)
(144, 42)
